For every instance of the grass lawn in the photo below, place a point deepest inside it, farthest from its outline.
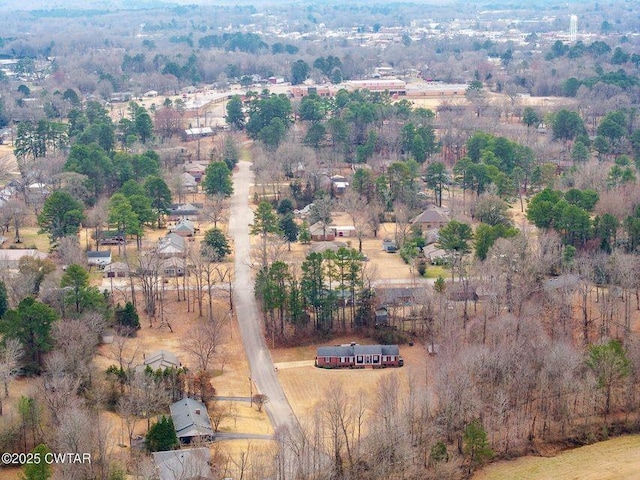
(610, 460)
(435, 271)
(31, 239)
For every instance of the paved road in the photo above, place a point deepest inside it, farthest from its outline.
(222, 436)
(263, 372)
(233, 399)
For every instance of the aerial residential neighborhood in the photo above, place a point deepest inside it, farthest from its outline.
(319, 240)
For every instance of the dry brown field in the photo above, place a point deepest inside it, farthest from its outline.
(615, 459)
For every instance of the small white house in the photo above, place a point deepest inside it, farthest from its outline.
(100, 259)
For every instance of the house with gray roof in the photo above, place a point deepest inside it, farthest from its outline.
(185, 228)
(187, 464)
(173, 267)
(189, 183)
(116, 270)
(191, 420)
(171, 245)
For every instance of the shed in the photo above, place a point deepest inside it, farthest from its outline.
(100, 259)
(186, 464)
(191, 420)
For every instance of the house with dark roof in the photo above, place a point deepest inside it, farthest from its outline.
(359, 356)
(184, 211)
(191, 421)
(398, 295)
(433, 217)
(187, 464)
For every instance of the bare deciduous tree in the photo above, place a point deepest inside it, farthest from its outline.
(260, 400)
(216, 209)
(10, 355)
(205, 340)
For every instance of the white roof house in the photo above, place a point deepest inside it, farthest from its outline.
(99, 258)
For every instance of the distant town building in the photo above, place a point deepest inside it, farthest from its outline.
(573, 27)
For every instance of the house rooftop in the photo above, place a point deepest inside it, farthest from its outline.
(190, 418)
(161, 359)
(99, 254)
(15, 254)
(355, 349)
(184, 464)
(432, 214)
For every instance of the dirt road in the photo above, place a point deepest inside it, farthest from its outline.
(263, 373)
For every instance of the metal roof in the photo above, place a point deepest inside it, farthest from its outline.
(350, 350)
(184, 464)
(191, 418)
(162, 359)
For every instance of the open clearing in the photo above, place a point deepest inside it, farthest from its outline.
(609, 460)
(306, 385)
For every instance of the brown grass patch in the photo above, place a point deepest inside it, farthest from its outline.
(609, 460)
(306, 385)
